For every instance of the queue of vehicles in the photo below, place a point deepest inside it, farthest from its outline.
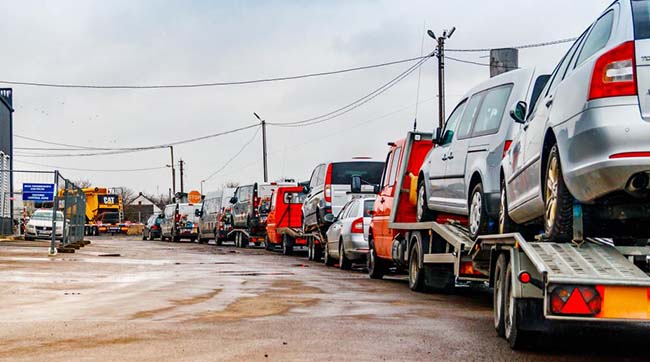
(538, 186)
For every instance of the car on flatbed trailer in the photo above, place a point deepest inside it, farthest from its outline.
(537, 284)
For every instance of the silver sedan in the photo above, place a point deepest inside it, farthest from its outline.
(347, 237)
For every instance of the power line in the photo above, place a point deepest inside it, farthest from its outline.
(213, 84)
(114, 151)
(91, 170)
(526, 46)
(357, 103)
(467, 61)
(234, 156)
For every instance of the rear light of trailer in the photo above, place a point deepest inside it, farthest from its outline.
(615, 73)
(506, 147)
(575, 300)
(328, 184)
(467, 268)
(357, 226)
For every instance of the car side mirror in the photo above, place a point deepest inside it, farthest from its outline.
(198, 213)
(329, 218)
(436, 136)
(355, 184)
(305, 189)
(233, 200)
(376, 189)
(371, 212)
(519, 113)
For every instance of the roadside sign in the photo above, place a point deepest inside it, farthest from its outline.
(38, 192)
(194, 197)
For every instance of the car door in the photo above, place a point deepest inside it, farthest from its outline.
(525, 183)
(310, 205)
(381, 233)
(436, 161)
(453, 193)
(334, 231)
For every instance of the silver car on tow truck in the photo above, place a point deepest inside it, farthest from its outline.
(584, 148)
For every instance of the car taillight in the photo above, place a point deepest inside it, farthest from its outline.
(576, 300)
(155, 227)
(615, 73)
(328, 184)
(506, 147)
(357, 226)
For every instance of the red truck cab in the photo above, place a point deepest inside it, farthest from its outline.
(284, 222)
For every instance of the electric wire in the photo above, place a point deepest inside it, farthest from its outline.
(525, 46)
(91, 170)
(234, 156)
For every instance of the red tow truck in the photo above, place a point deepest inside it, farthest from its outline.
(537, 284)
(284, 223)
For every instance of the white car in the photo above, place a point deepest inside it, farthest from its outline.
(347, 237)
(40, 225)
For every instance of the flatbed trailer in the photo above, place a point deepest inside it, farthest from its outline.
(537, 284)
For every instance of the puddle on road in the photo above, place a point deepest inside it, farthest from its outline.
(283, 296)
(71, 344)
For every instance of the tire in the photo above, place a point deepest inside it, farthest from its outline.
(310, 248)
(244, 241)
(144, 236)
(193, 240)
(558, 202)
(29, 238)
(327, 258)
(506, 225)
(287, 245)
(318, 252)
(176, 239)
(344, 262)
(416, 271)
(422, 209)
(376, 266)
(498, 305)
(267, 244)
(478, 216)
(516, 337)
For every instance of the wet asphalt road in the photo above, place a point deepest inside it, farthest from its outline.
(167, 301)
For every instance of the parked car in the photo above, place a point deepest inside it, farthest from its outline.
(329, 189)
(180, 222)
(347, 237)
(151, 228)
(284, 223)
(250, 208)
(586, 140)
(211, 213)
(460, 175)
(39, 225)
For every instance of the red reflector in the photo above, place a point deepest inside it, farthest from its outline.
(573, 300)
(576, 304)
(630, 155)
(506, 148)
(524, 277)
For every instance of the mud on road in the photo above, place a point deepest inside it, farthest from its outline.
(160, 301)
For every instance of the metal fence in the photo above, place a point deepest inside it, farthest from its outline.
(6, 221)
(66, 201)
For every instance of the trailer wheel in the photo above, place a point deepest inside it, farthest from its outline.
(498, 304)
(267, 244)
(344, 262)
(318, 252)
(416, 273)
(422, 209)
(327, 258)
(558, 202)
(516, 337)
(287, 245)
(310, 248)
(376, 267)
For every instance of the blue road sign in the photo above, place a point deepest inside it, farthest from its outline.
(38, 192)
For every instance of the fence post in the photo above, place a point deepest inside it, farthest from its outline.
(54, 207)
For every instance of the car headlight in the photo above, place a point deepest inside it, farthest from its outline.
(31, 227)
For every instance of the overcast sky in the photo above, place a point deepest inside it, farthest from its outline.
(158, 42)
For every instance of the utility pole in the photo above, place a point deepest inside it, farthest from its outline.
(171, 149)
(182, 163)
(440, 54)
(266, 174)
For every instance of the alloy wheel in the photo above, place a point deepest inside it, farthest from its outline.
(552, 179)
(420, 208)
(502, 212)
(475, 213)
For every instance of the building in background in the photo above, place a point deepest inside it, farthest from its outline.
(6, 161)
(140, 209)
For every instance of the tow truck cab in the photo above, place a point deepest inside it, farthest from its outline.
(404, 158)
(284, 223)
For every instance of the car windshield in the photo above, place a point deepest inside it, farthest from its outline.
(641, 12)
(47, 215)
(368, 205)
(369, 171)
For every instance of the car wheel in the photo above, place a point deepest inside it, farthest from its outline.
(558, 211)
(478, 217)
(318, 251)
(144, 236)
(310, 248)
(327, 257)
(287, 245)
(267, 244)
(344, 262)
(498, 305)
(513, 311)
(422, 210)
(506, 225)
(416, 273)
(376, 268)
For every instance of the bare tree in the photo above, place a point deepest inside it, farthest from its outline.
(230, 184)
(83, 183)
(127, 194)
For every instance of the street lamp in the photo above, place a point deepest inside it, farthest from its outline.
(266, 175)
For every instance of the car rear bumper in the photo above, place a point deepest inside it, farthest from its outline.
(357, 247)
(588, 142)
